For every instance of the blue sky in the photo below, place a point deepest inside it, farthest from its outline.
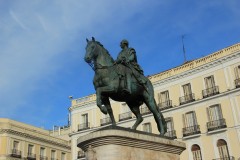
(42, 45)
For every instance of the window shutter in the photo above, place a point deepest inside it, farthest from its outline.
(220, 111)
(195, 118)
(208, 114)
(184, 120)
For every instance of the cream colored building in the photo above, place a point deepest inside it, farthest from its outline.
(200, 101)
(22, 141)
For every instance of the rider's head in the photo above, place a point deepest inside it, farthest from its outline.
(123, 43)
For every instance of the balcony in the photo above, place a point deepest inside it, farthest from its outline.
(165, 105)
(83, 126)
(210, 91)
(81, 154)
(237, 82)
(31, 156)
(191, 130)
(225, 158)
(105, 121)
(125, 116)
(43, 157)
(217, 124)
(144, 110)
(187, 99)
(16, 153)
(171, 134)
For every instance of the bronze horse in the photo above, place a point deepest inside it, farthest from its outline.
(108, 84)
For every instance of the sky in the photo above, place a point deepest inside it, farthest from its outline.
(42, 45)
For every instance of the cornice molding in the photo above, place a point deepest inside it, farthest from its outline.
(197, 69)
(34, 137)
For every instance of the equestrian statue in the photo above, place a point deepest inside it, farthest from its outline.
(121, 80)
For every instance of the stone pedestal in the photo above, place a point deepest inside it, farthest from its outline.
(117, 143)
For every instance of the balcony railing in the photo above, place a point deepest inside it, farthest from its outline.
(187, 98)
(171, 134)
(225, 158)
(191, 130)
(105, 121)
(54, 159)
(16, 153)
(237, 82)
(83, 126)
(81, 154)
(165, 105)
(210, 91)
(217, 124)
(144, 110)
(31, 156)
(43, 157)
(125, 116)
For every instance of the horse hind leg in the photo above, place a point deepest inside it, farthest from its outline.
(151, 103)
(136, 111)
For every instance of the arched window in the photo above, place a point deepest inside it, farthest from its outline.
(196, 151)
(223, 149)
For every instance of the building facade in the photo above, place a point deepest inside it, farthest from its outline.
(200, 101)
(22, 141)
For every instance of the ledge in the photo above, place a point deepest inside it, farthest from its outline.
(114, 135)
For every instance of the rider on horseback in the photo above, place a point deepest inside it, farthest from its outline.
(128, 58)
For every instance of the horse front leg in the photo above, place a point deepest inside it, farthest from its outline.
(99, 93)
(99, 102)
(106, 102)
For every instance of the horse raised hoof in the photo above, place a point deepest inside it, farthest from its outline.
(103, 109)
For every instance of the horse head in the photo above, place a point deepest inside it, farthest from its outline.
(96, 54)
(91, 53)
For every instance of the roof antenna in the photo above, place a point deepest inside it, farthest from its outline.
(184, 52)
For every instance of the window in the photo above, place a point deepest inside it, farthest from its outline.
(237, 75)
(163, 96)
(85, 118)
(191, 126)
(30, 149)
(190, 119)
(209, 82)
(42, 152)
(63, 156)
(15, 145)
(147, 127)
(188, 95)
(216, 120)
(215, 112)
(170, 128)
(84, 123)
(223, 149)
(196, 151)
(237, 72)
(187, 89)
(169, 122)
(164, 101)
(211, 88)
(53, 155)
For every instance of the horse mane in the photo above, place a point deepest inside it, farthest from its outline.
(100, 44)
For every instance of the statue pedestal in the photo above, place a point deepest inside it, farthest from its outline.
(117, 143)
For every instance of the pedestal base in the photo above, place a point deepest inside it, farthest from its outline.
(117, 143)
